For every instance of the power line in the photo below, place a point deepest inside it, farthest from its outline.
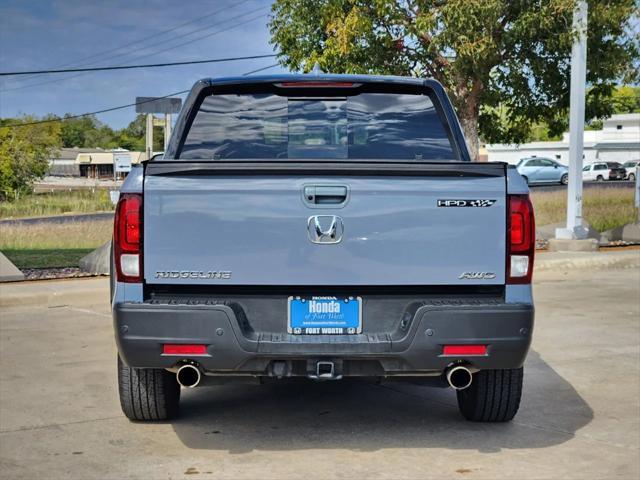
(81, 61)
(111, 109)
(231, 27)
(127, 67)
(260, 69)
(147, 55)
(50, 120)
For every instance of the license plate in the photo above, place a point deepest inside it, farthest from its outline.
(325, 315)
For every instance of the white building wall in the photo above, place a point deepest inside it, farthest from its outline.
(514, 153)
(621, 132)
(618, 155)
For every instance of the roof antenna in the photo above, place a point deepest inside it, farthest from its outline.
(316, 69)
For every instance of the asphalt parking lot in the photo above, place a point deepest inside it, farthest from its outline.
(580, 417)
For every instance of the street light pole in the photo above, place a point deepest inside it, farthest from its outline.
(149, 136)
(167, 130)
(574, 228)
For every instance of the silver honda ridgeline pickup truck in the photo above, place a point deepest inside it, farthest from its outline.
(321, 226)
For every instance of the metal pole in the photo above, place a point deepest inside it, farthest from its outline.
(167, 130)
(574, 229)
(149, 136)
(638, 190)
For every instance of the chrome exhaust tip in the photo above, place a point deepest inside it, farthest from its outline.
(189, 375)
(459, 377)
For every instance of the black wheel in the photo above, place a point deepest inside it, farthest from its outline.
(526, 179)
(564, 179)
(600, 178)
(494, 396)
(632, 177)
(147, 393)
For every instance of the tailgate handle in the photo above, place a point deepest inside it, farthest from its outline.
(325, 194)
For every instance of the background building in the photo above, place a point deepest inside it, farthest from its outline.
(618, 141)
(99, 164)
(63, 163)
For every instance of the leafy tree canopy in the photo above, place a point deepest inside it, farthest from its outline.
(492, 56)
(89, 132)
(624, 99)
(24, 155)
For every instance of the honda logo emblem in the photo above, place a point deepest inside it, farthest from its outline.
(325, 229)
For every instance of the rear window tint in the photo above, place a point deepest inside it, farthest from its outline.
(365, 126)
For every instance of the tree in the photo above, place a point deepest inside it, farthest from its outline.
(24, 154)
(74, 131)
(136, 130)
(624, 99)
(505, 63)
(87, 132)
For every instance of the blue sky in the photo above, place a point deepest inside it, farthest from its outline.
(42, 34)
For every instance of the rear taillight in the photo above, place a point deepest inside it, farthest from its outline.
(127, 238)
(521, 243)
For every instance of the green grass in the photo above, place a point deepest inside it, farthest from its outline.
(47, 257)
(603, 208)
(56, 203)
(52, 245)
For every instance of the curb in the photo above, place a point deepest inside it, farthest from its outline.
(579, 260)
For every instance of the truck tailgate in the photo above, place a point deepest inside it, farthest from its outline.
(257, 229)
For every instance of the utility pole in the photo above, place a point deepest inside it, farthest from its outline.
(574, 228)
(151, 105)
(149, 136)
(167, 130)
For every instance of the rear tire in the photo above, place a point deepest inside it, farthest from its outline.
(494, 396)
(564, 180)
(147, 394)
(600, 178)
(632, 177)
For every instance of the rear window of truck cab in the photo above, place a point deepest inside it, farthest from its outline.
(274, 126)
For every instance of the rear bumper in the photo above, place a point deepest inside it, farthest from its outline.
(414, 348)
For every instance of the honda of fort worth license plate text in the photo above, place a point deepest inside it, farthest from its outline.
(325, 315)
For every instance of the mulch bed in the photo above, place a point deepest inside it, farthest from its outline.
(53, 273)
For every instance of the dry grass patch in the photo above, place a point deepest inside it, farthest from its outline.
(52, 235)
(603, 208)
(52, 245)
(56, 203)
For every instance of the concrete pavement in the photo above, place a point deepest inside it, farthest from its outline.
(580, 416)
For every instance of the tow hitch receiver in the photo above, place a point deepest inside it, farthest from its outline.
(325, 370)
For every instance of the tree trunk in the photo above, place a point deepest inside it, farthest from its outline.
(469, 125)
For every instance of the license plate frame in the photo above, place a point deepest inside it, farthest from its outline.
(325, 320)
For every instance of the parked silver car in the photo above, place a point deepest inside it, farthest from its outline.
(630, 169)
(542, 170)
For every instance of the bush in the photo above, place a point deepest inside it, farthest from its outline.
(24, 154)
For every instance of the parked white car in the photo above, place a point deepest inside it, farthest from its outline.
(600, 171)
(630, 169)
